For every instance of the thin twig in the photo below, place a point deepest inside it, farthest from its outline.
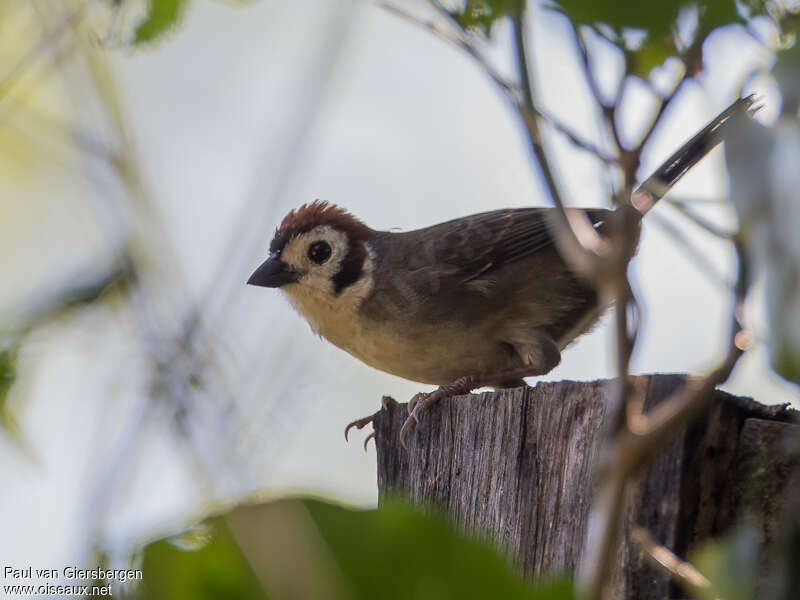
(700, 259)
(682, 208)
(458, 40)
(586, 67)
(684, 201)
(634, 448)
(456, 36)
(580, 259)
(665, 103)
(607, 110)
(576, 140)
(664, 559)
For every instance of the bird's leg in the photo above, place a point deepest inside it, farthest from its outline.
(420, 403)
(386, 402)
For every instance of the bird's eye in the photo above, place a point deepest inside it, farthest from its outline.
(319, 252)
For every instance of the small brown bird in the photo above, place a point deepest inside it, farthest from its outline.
(482, 300)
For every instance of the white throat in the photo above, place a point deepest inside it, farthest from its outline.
(331, 315)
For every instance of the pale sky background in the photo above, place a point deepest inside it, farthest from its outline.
(237, 111)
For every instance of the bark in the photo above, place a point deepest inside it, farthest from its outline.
(516, 466)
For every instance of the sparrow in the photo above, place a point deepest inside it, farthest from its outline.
(482, 300)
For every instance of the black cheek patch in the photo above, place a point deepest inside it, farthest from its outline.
(350, 269)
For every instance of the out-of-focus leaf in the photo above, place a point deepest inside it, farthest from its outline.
(783, 279)
(765, 180)
(78, 289)
(715, 13)
(394, 552)
(787, 73)
(651, 54)
(730, 565)
(162, 16)
(409, 555)
(481, 15)
(216, 570)
(8, 372)
(656, 20)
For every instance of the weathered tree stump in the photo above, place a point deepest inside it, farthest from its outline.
(517, 466)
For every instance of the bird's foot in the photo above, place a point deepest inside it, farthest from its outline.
(420, 403)
(386, 402)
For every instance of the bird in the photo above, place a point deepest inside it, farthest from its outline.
(477, 301)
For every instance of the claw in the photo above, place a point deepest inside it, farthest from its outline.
(411, 422)
(371, 436)
(386, 403)
(412, 404)
(358, 424)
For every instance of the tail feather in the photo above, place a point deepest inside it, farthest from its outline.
(655, 187)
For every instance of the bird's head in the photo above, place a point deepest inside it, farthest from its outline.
(318, 247)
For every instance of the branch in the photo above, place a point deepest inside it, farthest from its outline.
(576, 140)
(583, 261)
(461, 42)
(637, 444)
(700, 259)
(607, 110)
(510, 91)
(682, 208)
(666, 560)
(662, 109)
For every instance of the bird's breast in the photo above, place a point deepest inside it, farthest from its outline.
(428, 353)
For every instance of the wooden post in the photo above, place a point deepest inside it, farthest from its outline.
(517, 466)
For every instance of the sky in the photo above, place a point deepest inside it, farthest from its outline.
(240, 115)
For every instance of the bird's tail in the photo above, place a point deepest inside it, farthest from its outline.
(655, 187)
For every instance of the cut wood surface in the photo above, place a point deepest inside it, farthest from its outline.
(516, 466)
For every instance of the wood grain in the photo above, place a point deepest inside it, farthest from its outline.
(516, 466)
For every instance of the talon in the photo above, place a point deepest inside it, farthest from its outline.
(411, 423)
(412, 404)
(371, 436)
(358, 424)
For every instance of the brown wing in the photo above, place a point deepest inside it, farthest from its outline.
(477, 245)
(429, 274)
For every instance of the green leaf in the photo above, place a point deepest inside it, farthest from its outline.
(656, 20)
(652, 17)
(651, 54)
(162, 16)
(730, 565)
(8, 372)
(410, 555)
(394, 552)
(715, 13)
(481, 15)
(175, 570)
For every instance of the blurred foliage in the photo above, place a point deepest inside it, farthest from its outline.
(655, 18)
(657, 21)
(646, 32)
(28, 93)
(8, 371)
(481, 15)
(162, 16)
(79, 290)
(394, 552)
(217, 569)
(730, 565)
(764, 182)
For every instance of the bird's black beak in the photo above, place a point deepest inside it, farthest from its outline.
(273, 272)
